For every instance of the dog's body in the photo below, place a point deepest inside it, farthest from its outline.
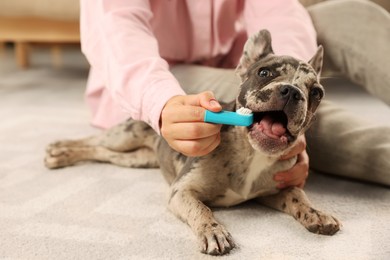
(282, 92)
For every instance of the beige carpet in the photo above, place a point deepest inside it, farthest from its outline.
(99, 211)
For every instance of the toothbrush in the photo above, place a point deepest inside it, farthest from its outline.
(242, 117)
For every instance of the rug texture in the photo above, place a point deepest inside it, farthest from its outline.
(100, 211)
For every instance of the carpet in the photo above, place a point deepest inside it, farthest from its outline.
(100, 211)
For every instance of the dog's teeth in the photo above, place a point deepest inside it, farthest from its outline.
(244, 111)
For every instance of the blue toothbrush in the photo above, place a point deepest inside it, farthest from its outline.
(242, 117)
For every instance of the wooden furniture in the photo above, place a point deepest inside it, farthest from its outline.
(39, 22)
(26, 31)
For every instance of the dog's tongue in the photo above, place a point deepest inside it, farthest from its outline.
(271, 128)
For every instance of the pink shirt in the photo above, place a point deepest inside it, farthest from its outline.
(130, 45)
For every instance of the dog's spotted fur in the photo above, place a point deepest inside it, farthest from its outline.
(242, 166)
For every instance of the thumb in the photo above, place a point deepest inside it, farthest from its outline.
(207, 100)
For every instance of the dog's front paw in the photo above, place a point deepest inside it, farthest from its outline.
(318, 222)
(215, 240)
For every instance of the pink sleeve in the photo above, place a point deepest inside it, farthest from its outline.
(118, 42)
(288, 21)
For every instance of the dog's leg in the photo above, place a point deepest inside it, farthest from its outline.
(123, 137)
(67, 156)
(294, 202)
(213, 238)
(128, 144)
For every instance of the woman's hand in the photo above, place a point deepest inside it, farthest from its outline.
(182, 124)
(297, 175)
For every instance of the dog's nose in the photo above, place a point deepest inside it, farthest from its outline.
(288, 91)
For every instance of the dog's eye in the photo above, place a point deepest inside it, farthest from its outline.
(264, 73)
(316, 93)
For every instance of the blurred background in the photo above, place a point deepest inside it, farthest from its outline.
(51, 28)
(27, 26)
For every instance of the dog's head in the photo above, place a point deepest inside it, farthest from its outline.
(282, 92)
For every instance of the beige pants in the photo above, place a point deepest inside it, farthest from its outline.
(356, 36)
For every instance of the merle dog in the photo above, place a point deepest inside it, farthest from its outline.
(283, 93)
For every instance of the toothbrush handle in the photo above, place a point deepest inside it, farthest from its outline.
(228, 118)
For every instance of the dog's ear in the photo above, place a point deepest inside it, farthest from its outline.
(316, 61)
(256, 47)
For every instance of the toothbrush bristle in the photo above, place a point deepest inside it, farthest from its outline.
(244, 111)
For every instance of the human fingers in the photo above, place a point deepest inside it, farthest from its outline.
(191, 130)
(297, 175)
(298, 148)
(183, 113)
(207, 100)
(190, 108)
(182, 124)
(204, 99)
(197, 147)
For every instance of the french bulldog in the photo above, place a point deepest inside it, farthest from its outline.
(282, 92)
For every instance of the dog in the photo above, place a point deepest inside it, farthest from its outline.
(283, 94)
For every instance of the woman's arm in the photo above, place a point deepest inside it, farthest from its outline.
(118, 42)
(288, 21)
